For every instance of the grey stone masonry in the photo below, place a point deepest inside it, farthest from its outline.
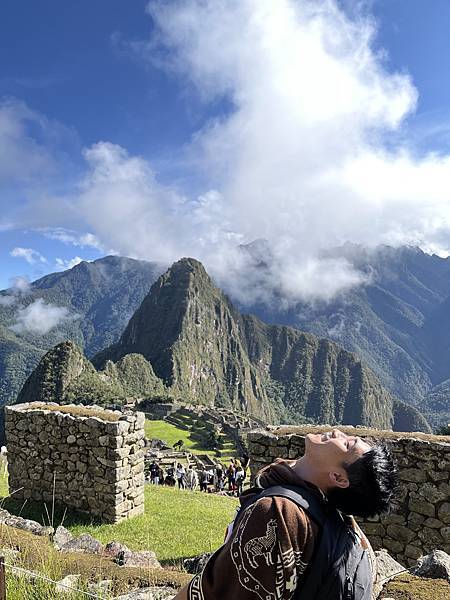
(88, 458)
(420, 522)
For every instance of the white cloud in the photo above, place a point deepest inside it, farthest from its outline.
(300, 158)
(20, 285)
(19, 288)
(62, 264)
(30, 255)
(39, 317)
(82, 240)
(6, 300)
(21, 155)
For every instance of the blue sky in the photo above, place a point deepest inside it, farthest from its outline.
(138, 80)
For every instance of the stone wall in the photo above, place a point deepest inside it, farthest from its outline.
(90, 459)
(155, 411)
(421, 520)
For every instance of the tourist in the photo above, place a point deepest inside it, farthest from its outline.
(170, 477)
(231, 470)
(338, 475)
(154, 473)
(191, 479)
(219, 477)
(181, 476)
(203, 479)
(239, 479)
(161, 475)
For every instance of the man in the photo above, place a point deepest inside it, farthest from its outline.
(268, 550)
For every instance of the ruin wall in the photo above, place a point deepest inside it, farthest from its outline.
(420, 522)
(87, 458)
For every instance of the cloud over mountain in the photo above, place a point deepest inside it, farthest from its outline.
(39, 317)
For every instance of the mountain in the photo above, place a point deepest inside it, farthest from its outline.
(207, 352)
(398, 322)
(100, 297)
(65, 375)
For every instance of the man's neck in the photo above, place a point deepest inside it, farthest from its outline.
(308, 472)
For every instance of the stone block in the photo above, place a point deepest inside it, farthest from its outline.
(400, 533)
(422, 507)
(431, 538)
(445, 532)
(136, 511)
(413, 552)
(444, 512)
(433, 523)
(393, 546)
(413, 475)
(374, 529)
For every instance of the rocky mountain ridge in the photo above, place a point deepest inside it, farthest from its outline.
(203, 350)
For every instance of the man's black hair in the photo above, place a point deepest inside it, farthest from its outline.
(373, 484)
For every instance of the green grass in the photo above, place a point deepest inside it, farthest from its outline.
(171, 434)
(192, 433)
(176, 523)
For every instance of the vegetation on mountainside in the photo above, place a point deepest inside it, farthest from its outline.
(443, 430)
(207, 352)
(187, 334)
(436, 407)
(65, 376)
(408, 418)
(100, 297)
(395, 323)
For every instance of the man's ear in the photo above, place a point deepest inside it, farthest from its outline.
(339, 479)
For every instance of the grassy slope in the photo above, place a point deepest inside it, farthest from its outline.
(38, 554)
(176, 524)
(191, 432)
(171, 434)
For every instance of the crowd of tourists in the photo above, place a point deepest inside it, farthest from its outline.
(227, 480)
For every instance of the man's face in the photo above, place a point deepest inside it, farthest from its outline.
(332, 449)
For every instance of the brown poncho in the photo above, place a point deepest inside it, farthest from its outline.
(268, 550)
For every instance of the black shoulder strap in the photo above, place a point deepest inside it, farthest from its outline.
(306, 499)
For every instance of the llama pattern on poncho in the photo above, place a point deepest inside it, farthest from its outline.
(262, 546)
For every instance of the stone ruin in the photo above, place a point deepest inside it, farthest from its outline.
(86, 458)
(420, 522)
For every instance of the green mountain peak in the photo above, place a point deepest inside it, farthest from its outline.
(207, 352)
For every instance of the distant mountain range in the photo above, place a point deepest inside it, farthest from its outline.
(186, 339)
(398, 323)
(100, 296)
